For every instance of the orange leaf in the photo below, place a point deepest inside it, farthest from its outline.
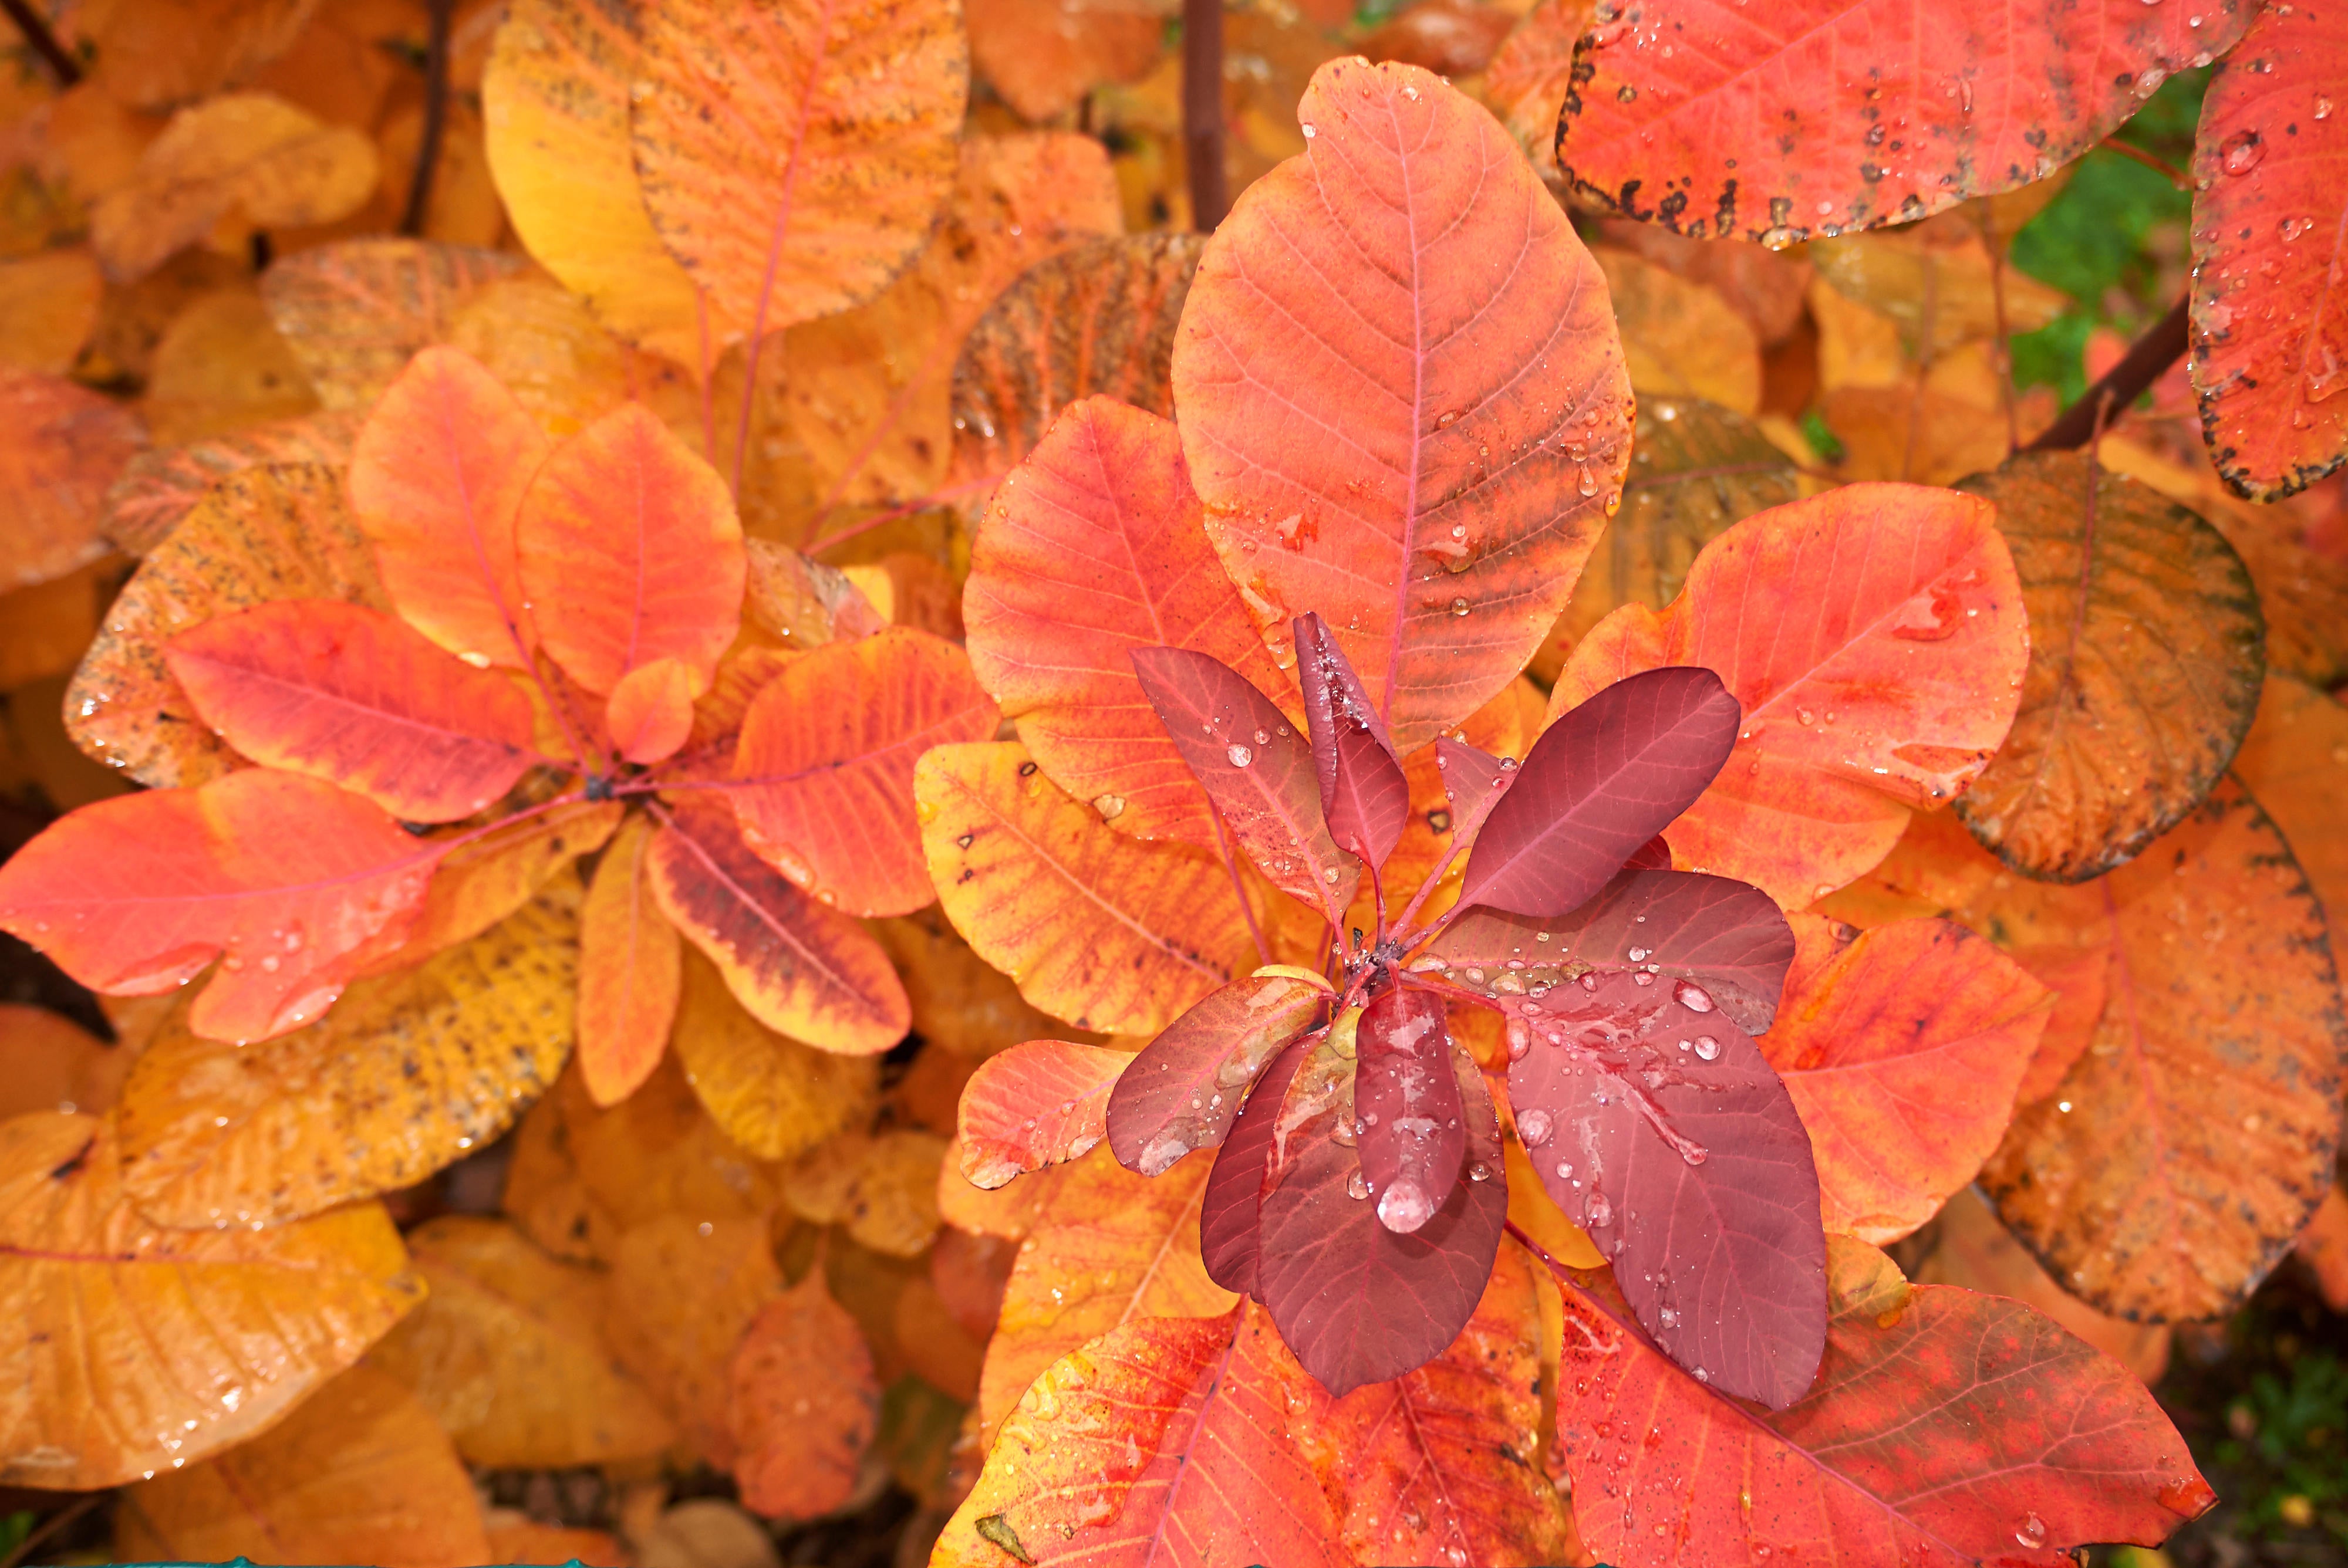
(1976, 1252)
(2324, 1245)
(1036, 1104)
(1107, 1247)
(961, 1002)
(801, 969)
(61, 445)
(792, 153)
(1531, 72)
(161, 486)
(1902, 1051)
(127, 1337)
(355, 696)
(1438, 1465)
(361, 1473)
(1402, 395)
(802, 1404)
(1091, 549)
(650, 714)
(823, 780)
(1097, 929)
(1046, 55)
(482, 881)
(437, 476)
(1165, 1440)
(1877, 638)
(629, 970)
(55, 1064)
(630, 553)
(681, 1295)
(356, 312)
(261, 535)
(288, 875)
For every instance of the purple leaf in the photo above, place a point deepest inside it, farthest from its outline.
(1364, 795)
(1598, 784)
(1474, 780)
(1257, 769)
(1230, 1212)
(1357, 1303)
(1655, 855)
(1663, 1133)
(1183, 1092)
(1728, 940)
(1406, 1103)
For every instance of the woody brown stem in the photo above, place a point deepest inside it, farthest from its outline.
(2146, 362)
(435, 118)
(36, 29)
(1202, 112)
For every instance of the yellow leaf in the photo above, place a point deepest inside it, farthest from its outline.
(1094, 927)
(1680, 338)
(47, 628)
(507, 1353)
(356, 312)
(55, 1064)
(246, 154)
(48, 304)
(480, 884)
(793, 152)
(134, 1346)
(770, 1094)
(222, 366)
(361, 1473)
(961, 1004)
(405, 1074)
(543, 343)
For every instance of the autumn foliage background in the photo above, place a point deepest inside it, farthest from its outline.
(596, 803)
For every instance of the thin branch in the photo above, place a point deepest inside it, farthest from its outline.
(2146, 362)
(72, 1510)
(1223, 847)
(44, 42)
(935, 497)
(1202, 112)
(2165, 169)
(436, 119)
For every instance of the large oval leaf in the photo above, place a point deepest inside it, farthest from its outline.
(129, 1336)
(1402, 395)
(793, 153)
(358, 311)
(823, 776)
(1092, 548)
(1040, 1103)
(2145, 655)
(64, 447)
(1876, 639)
(1100, 930)
(2269, 351)
(1877, 111)
(1184, 1091)
(773, 1097)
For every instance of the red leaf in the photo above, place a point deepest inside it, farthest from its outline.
(287, 874)
(824, 773)
(436, 475)
(1357, 1302)
(2270, 177)
(1402, 395)
(1040, 1103)
(343, 692)
(1183, 1092)
(1090, 549)
(1365, 796)
(1976, 99)
(631, 553)
(1729, 938)
(1406, 1107)
(1230, 1212)
(1713, 1226)
(1599, 783)
(801, 969)
(1947, 1428)
(1256, 769)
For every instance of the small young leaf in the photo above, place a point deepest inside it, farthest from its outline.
(437, 477)
(823, 775)
(1406, 1107)
(1728, 938)
(285, 875)
(1042, 1102)
(1185, 1088)
(650, 712)
(1661, 1131)
(1257, 770)
(358, 697)
(1364, 795)
(630, 959)
(1335, 1279)
(1599, 783)
(629, 552)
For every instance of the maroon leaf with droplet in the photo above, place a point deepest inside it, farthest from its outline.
(1599, 784)
(1663, 1133)
(1727, 941)
(1406, 1105)
(1474, 780)
(1257, 769)
(1364, 795)
(1356, 1302)
(1230, 1212)
(1183, 1092)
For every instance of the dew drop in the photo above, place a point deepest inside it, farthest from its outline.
(1460, 607)
(1638, 955)
(1241, 756)
(1701, 1376)
(1564, 1170)
(1708, 1048)
(1587, 483)
(1404, 1206)
(1263, 737)
(1534, 1127)
(2033, 1532)
(2239, 153)
(1692, 997)
(1600, 1212)
(2322, 106)
(1310, 131)
(1357, 1186)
